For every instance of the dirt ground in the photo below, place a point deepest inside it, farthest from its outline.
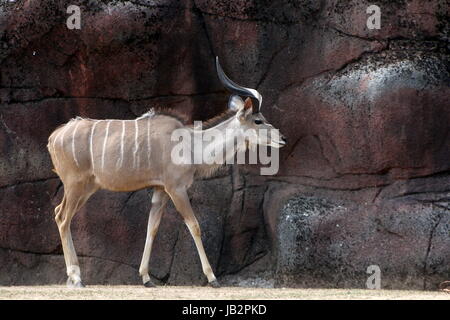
(206, 293)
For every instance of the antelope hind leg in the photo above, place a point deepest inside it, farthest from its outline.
(75, 196)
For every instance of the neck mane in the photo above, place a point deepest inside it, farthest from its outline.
(222, 117)
(222, 123)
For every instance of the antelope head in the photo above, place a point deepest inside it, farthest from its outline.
(248, 114)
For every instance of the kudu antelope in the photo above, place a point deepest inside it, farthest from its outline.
(127, 155)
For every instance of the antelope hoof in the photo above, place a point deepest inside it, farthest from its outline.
(149, 284)
(71, 284)
(214, 284)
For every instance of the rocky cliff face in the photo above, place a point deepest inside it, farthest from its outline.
(364, 180)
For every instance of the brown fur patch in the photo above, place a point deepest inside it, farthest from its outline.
(248, 104)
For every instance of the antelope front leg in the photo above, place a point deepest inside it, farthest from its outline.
(159, 201)
(183, 206)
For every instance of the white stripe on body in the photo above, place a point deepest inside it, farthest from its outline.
(136, 145)
(120, 161)
(104, 143)
(148, 143)
(91, 144)
(73, 144)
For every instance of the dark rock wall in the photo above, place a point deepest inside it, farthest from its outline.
(365, 178)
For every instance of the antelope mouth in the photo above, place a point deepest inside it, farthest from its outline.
(278, 144)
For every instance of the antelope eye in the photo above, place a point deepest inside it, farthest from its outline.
(257, 121)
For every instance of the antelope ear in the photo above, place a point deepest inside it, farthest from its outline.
(248, 106)
(235, 103)
(246, 110)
